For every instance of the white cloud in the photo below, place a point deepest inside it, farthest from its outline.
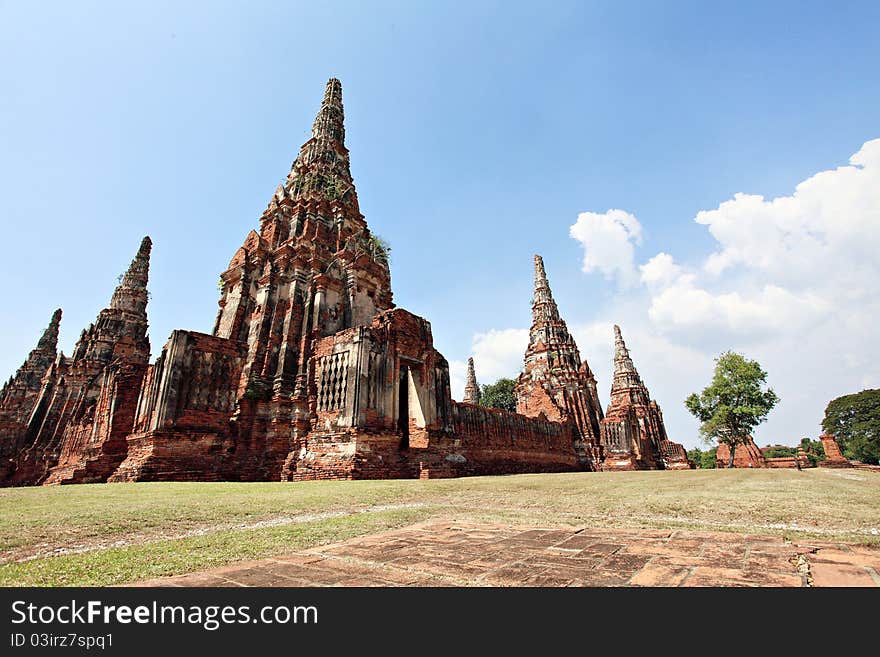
(499, 353)
(791, 282)
(830, 225)
(755, 310)
(789, 264)
(660, 270)
(608, 243)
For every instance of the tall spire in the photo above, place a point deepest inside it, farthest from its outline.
(540, 275)
(26, 383)
(622, 361)
(626, 384)
(548, 328)
(633, 424)
(543, 305)
(321, 170)
(49, 341)
(329, 124)
(471, 389)
(131, 293)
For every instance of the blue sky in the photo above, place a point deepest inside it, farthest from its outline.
(480, 132)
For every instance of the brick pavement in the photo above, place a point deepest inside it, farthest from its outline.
(447, 553)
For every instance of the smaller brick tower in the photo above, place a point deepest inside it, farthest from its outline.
(91, 397)
(19, 394)
(471, 388)
(633, 433)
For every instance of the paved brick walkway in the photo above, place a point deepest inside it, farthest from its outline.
(464, 554)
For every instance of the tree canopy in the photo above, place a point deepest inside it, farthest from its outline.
(499, 395)
(777, 451)
(734, 403)
(703, 459)
(854, 420)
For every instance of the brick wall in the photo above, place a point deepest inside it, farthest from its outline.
(483, 441)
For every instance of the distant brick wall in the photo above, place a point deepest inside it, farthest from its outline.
(674, 456)
(490, 428)
(783, 462)
(483, 441)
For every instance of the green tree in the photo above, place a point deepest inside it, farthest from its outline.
(708, 461)
(854, 420)
(777, 451)
(499, 395)
(696, 455)
(705, 460)
(734, 403)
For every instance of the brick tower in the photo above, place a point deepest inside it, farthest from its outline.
(471, 388)
(19, 394)
(633, 433)
(314, 269)
(249, 393)
(555, 381)
(89, 399)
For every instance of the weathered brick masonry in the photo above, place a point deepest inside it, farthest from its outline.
(20, 394)
(555, 383)
(85, 405)
(633, 434)
(833, 456)
(310, 372)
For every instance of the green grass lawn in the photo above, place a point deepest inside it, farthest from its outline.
(117, 533)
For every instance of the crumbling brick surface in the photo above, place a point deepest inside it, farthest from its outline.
(633, 434)
(745, 455)
(555, 383)
(86, 403)
(178, 456)
(833, 456)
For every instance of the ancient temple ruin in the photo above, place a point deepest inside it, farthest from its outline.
(555, 384)
(311, 372)
(633, 433)
(834, 458)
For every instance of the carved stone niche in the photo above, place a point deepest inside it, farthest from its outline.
(193, 384)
